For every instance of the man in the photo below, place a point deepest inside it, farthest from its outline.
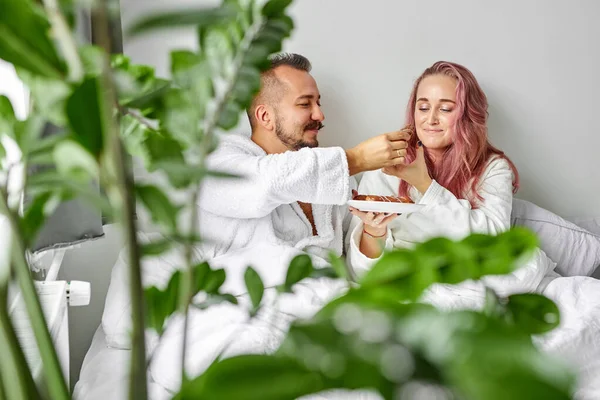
(291, 200)
(293, 193)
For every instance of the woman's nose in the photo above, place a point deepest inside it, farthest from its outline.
(433, 118)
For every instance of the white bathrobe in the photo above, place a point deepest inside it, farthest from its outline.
(578, 298)
(446, 215)
(262, 208)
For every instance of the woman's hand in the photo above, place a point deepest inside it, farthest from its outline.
(375, 224)
(415, 173)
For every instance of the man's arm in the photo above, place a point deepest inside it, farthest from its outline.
(317, 175)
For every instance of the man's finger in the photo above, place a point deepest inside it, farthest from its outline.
(398, 153)
(397, 161)
(399, 145)
(398, 135)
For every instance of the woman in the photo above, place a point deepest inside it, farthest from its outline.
(466, 186)
(464, 182)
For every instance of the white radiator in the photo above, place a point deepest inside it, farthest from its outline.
(55, 297)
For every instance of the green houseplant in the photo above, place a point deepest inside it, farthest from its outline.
(108, 107)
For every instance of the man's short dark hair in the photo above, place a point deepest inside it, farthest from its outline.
(271, 88)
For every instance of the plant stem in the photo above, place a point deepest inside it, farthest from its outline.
(121, 190)
(52, 369)
(2, 394)
(141, 120)
(16, 381)
(65, 40)
(210, 123)
(186, 293)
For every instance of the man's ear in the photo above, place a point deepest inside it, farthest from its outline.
(264, 117)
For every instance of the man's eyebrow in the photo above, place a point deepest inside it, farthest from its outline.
(441, 100)
(308, 96)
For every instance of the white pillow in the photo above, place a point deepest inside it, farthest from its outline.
(575, 250)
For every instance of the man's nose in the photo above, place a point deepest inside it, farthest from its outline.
(317, 114)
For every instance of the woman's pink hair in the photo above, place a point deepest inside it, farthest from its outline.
(465, 159)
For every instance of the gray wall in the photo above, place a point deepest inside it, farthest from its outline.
(536, 59)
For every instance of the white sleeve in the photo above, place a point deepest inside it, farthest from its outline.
(493, 213)
(377, 183)
(316, 176)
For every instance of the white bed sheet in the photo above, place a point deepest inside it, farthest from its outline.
(104, 374)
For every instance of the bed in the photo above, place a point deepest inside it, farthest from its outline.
(104, 373)
(574, 247)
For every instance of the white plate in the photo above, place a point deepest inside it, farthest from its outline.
(385, 206)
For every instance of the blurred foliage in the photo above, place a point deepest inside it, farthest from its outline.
(376, 335)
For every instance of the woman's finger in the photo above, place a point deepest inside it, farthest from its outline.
(379, 218)
(389, 218)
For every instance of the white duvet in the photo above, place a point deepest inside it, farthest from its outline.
(226, 329)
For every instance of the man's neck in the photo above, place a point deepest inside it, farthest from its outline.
(268, 144)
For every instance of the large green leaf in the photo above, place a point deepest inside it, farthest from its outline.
(441, 260)
(161, 304)
(532, 313)
(187, 17)
(391, 267)
(340, 267)
(138, 87)
(49, 95)
(41, 152)
(156, 248)
(53, 182)
(181, 118)
(85, 115)
(75, 162)
(253, 377)
(275, 8)
(229, 116)
(214, 299)
(7, 116)
(255, 287)
(150, 145)
(247, 83)
(185, 105)
(28, 132)
(92, 58)
(300, 268)
(34, 217)
(162, 210)
(491, 362)
(25, 41)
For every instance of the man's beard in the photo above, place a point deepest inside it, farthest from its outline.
(295, 141)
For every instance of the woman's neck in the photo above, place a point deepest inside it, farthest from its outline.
(436, 156)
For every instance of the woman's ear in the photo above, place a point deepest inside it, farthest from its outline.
(264, 117)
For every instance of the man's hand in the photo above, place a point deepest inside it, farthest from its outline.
(380, 151)
(415, 173)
